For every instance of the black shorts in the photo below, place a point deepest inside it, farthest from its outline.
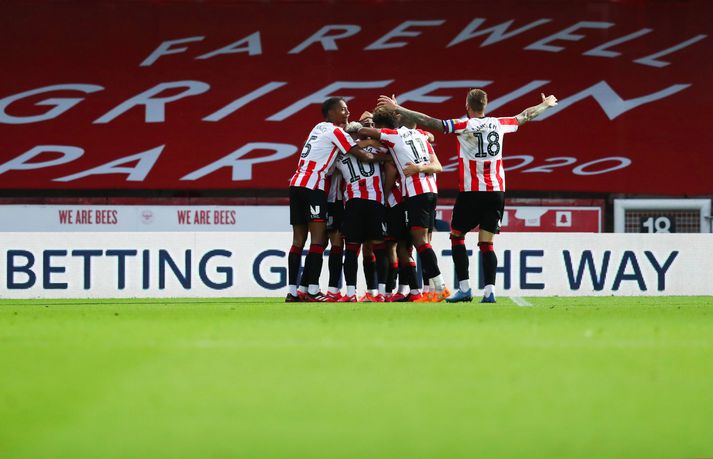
(421, 210)
(364, 220)
(396, 222)
(478, 208)
(335, 215)
(307, 205)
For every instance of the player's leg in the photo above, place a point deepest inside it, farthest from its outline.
(335, 212)
(298, 219)
(352, 235)
(421, 215)
(490, 263)
(369, 265)
(318, 240)
(408, 286)
(393, 270)
(464, 219)
(336, 253)
(376, 231)
(494, 206)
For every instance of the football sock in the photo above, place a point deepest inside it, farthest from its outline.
(490, 288)
(437, 283)
(464, 285)
(313, 265)
(382, 266)
(351, 263)
(391, 277)
(293, 265)
(489, 260)
(369, 265)
(429, 262)
(351, 289)
(460, 258)
(335, 267)
(411, 273)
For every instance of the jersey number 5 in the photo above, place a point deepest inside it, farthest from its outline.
(308, 147)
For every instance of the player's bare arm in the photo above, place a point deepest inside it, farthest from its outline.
(369, 143)
(373, 133)
(535, 111)
(367, 157)
(419, 118)
(433, 168)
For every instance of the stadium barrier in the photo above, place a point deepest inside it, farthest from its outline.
(199, 264)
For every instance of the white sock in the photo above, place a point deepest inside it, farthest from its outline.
(382, 289)
(372, 292)
(464, 285)
(302, 289)
(293, 290)
(351, 290)
(403, 289)
(414, 291)
(313, 289)
(490, 288)
(334, 290)
(438, 283)
(426, 288)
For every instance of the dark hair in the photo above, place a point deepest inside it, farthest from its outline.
(477, 100)
(329, 104)
(383, 117)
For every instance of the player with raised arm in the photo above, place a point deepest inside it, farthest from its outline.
(308, 199)
(417, 164)
(481, 179)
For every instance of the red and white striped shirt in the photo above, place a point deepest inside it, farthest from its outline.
(480, 151)
(361, 180)
(325, 142)
(335, 187)
(410, 146)
(395, 196)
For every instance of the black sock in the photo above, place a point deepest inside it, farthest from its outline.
(369, 265)
(313, 263)
(489, 260)
(351, 264)
(411, 276)
(391, 277)
(335, 266)
(429, 262)
(460, 258)
(382, 263)
(294, 258)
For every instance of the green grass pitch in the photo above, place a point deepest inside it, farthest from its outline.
(258, 378)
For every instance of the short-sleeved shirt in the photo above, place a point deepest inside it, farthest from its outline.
(410, 146)
(361, 180)
(480, 155)
(324, 143)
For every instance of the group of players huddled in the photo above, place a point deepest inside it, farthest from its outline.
(371, 186)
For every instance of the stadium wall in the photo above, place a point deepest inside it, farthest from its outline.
(164, 97)
(143, 265)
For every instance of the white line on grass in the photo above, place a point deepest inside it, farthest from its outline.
(520, 301)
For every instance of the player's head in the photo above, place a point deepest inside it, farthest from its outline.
(475, 102)
(367, 119)
(407, 122)
(352, 129)
(385, 118)
(335, 111)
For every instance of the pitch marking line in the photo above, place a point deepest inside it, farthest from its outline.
(520, 301)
